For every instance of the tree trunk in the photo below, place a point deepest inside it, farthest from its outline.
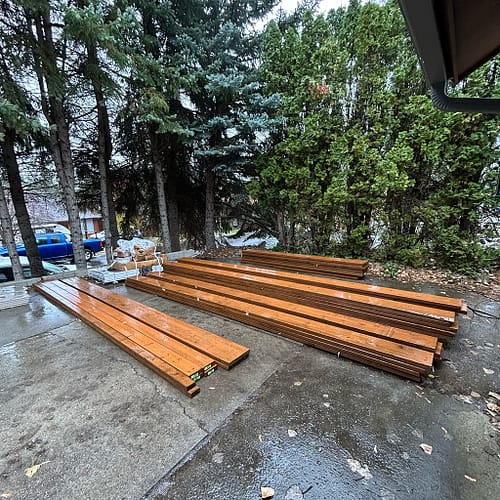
(209, 208)
(113, 226)
(17, 195)
(8, 236)
(101, 147)
(103, 155)
(173, 222)
(173, 211)
(160, 190)
(280, 221)
(49, 80)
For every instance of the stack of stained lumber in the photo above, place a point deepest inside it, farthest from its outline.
(179, 352)
(392, 348)
(330, 266)
(419, 312)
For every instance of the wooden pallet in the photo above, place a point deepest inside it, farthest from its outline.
(126, 323)
(330, 266)
(384, 353)
(418, 318)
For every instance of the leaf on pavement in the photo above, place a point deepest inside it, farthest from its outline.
(427, 448)
(266, 492)
(31, 471)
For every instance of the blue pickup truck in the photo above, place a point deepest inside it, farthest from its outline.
(56, 246)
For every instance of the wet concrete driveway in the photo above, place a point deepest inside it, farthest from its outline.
(306, 423)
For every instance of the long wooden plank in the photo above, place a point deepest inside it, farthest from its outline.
(370, 343)
(163, 369)
(406, 337)
(352, 352)
(321, 298)
(156, 339)
(225, 352)
(314, 259)
(440, 302)
(303, 336)
(442, 317)
(339, 273)
(190, 362)
(355, 268)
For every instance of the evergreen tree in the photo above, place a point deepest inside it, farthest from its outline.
(228, 106)
(362, 159)
(18, 127)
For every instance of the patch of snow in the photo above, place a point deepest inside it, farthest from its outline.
(248, 240)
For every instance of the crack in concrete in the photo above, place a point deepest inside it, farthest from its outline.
(130, 363)
(484, 314)
(159, 392)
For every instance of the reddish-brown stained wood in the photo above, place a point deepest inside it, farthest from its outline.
(186, 360)
(314, 259)
(440, 302)
(420, 358)
(225, 352)
(439, 351)
(163, 369)
(425, 342)
(376, 309)
(401, 367)
(354, 268)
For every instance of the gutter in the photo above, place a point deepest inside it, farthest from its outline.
(444, 102)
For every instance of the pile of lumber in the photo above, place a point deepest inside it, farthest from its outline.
(397, 331)
(329, 266)
(179, 352)
(419, 312)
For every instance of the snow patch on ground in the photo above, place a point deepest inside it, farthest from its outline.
(248, 240)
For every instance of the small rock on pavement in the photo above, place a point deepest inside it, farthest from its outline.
(266, 492)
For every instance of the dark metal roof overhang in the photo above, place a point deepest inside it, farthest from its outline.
(452, 39)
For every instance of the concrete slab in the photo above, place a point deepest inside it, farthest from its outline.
(323, 428)
(104, 426)
(328, 428)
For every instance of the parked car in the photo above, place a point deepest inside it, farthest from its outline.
(7, 274)
(57, 246)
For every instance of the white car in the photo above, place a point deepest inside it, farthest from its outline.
(6, 273)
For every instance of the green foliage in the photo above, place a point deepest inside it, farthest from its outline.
(330, 127)
(455, 250)
(391, 269)
(360, 158)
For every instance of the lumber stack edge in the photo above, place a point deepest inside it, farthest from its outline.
(330, 266)
(177, 351)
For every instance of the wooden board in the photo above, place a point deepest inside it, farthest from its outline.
(143, 355)
(373, 328)
(353, 268)
(427, 320)
(188, 361)
(426, 299)
(382, 351)
(225, 352)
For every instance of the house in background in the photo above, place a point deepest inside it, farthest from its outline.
(48, 215)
